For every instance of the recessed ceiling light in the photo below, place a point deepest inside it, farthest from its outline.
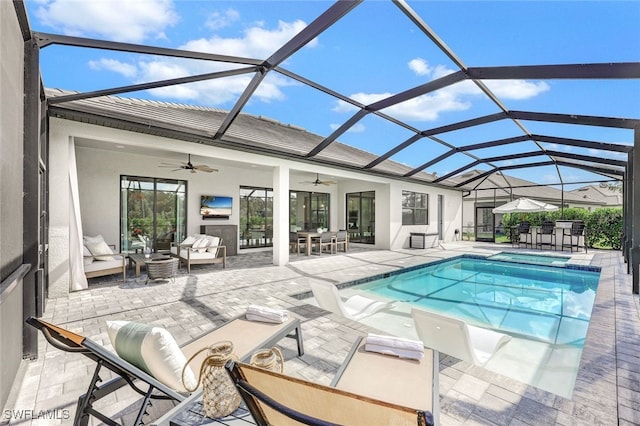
(119, 146)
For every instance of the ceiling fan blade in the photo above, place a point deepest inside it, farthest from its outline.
(204, 168)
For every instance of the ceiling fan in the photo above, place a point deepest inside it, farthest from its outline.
(189, 166)
(319, 182)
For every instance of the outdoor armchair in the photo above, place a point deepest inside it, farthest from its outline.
(325, 239)
(201, 249)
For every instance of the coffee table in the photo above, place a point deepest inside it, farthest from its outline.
(138, 259)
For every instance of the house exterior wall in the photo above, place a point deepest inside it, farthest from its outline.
(99, 172)
(11, 196)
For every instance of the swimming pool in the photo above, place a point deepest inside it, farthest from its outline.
(536, 259)
(551, 304)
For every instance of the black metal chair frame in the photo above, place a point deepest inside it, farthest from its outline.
(577, 230)
(525, 229)
(68, 341)
(547, 228)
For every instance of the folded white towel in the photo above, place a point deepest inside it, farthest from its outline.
(397, 346)
(266, 314)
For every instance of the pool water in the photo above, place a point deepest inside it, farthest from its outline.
(547, 303)
(536, 259)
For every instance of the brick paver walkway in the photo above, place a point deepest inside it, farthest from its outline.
(607, 390)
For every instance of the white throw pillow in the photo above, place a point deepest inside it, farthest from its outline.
(101, 251)
(93, 240)
(214, 242)
(200, 245)
(189, 240)
(152, 349)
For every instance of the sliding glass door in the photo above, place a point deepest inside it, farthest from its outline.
(152, 212)
(256, 217)
(361, 217)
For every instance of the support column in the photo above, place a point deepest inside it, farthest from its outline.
(33, 288)
(280, 215)
(634, 255)
(626, 212)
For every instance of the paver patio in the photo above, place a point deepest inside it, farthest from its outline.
(607, 389)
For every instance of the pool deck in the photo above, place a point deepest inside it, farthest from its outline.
(607, 389)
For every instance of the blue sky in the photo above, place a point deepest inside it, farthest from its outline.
(372, 53)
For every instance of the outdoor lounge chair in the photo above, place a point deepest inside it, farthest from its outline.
(355, 307)
(247, 337)
(277, 399)
(457, 338)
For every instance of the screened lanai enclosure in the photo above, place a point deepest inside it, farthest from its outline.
(550, 140)
(366, 126)
(366, 110)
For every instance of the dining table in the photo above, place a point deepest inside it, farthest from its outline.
(308, 235)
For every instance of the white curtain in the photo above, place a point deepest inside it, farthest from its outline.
(77, 279)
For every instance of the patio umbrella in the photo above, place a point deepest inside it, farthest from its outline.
(525, 205)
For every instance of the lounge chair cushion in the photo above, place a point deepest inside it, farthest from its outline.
(152, 349)
(100, 250)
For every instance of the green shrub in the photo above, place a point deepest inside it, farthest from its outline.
(603, 226)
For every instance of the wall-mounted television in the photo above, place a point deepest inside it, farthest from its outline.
(215, 206)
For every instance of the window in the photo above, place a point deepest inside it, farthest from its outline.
(308, 210)
(415, 208)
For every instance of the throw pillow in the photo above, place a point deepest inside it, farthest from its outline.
(101, 251)
(92, 240)
(214, 242)
(189, 240)
(153, 350)
(200, 245)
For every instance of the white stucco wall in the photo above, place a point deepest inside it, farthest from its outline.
(99, 172)
(399, 234)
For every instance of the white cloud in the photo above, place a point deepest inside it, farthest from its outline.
(457, 97)
(422, 108)
(218, 20)
(516, 89)
(256, 42)
(420, 66)
(119, 20)
(125, 69)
